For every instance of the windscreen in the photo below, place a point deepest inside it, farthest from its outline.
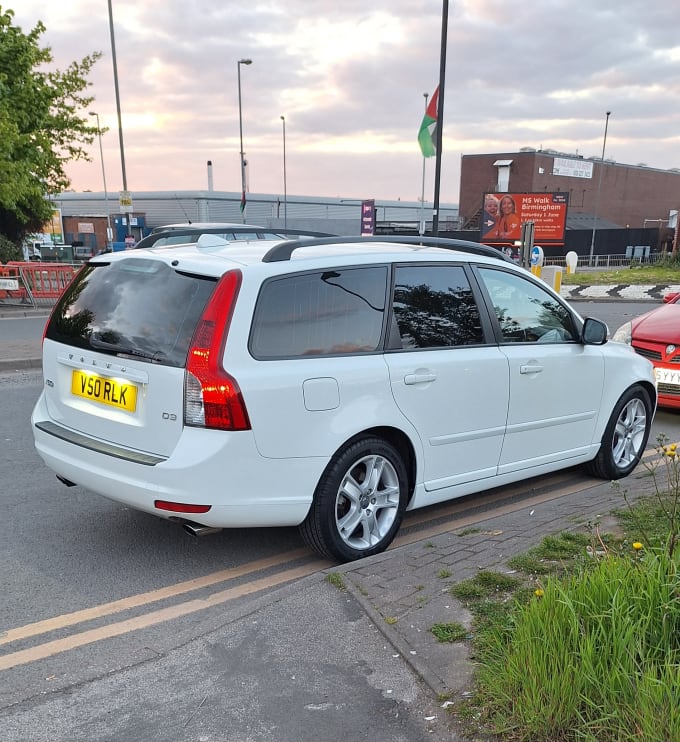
(135, 308)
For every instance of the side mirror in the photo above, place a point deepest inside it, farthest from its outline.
(670, 298)
(594, 332)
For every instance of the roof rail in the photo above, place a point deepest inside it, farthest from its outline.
(284, 250)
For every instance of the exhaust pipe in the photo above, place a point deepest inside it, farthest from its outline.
(196, 529)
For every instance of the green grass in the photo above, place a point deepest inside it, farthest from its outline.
(552, 555)
(336, 579)
(655, 274)
(484, 584)
(582, 642)
(449, 632)
(598, 645)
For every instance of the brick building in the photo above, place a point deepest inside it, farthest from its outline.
(620, 197)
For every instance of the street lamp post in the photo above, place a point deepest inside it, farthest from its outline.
(599, 187)
(240, 132)
(127, 211)
(285, 189)
(109, 233)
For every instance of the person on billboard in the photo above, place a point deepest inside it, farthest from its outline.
(490, 215)
(508, 222)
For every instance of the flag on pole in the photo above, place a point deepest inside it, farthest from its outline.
(243, 201)
(428, 128)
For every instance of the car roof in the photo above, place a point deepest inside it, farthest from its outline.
(170, 235)
(212, 256)
(199, 226)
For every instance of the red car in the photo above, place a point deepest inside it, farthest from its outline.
(656, 335)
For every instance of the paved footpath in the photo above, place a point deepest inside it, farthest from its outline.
(405, 595)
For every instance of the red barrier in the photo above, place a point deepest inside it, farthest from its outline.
(45, 280)
(11, 273)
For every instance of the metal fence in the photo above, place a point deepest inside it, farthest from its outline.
(607, 262)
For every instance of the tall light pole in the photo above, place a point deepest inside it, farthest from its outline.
(285, 189)
(127, 210)
(421, 230)
(599, 186)
(240, 133)
(109, 233)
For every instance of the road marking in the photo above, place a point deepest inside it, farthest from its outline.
(48, 649)
(134, 601)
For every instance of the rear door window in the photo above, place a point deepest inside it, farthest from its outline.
(321, 313)
(136, 308)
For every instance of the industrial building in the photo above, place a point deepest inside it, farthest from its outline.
(84, 215)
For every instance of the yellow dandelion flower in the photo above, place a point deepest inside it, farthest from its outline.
(672, 447)
(637, 545)
(538, 592)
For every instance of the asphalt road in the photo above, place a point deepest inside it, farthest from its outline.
(613, 313)
(22, 328)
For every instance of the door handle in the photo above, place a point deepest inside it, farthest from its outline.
(420, 378)
(530, 368)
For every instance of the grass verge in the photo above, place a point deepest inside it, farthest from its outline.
(582, 641)
(637, 274)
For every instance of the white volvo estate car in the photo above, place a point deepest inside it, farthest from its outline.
(330, 384)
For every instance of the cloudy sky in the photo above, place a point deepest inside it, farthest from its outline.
(350, 79)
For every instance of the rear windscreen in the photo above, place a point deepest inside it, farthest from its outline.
(136, 308)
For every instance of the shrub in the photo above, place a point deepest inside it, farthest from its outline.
(9, 251)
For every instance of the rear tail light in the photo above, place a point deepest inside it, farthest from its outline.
(212, 398)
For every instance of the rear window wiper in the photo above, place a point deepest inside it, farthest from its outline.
(120, 350)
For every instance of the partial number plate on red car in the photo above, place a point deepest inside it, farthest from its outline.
(667, 376)
(111, 392)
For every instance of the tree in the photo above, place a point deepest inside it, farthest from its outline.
(40, 126)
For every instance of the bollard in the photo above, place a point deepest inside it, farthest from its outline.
(552, 275)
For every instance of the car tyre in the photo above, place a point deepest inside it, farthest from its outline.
(359, 501)
(625, 436)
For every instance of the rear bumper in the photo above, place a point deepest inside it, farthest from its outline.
(207, 467)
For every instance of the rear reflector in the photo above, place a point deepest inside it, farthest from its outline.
(180, 507)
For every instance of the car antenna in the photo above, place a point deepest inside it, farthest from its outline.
(186, 216)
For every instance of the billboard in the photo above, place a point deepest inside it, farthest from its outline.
(572, 168)
(54, 228)
(368, 218)
(504, 213)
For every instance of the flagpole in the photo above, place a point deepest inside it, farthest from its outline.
(440, 119)
(421, 231)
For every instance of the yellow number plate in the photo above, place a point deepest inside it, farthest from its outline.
(112, 392)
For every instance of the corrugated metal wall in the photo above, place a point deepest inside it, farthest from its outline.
(167, 207)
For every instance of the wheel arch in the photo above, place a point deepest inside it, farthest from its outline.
(651, 390)
(399, 440)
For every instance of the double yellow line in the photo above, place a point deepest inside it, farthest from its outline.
(67, 620)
